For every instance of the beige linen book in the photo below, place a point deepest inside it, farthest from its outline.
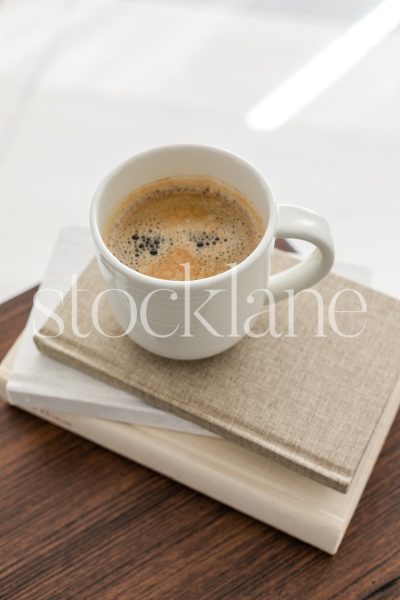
(310, 403)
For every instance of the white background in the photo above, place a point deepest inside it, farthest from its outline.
(86, 83)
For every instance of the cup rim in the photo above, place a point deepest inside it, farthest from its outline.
(261, 247)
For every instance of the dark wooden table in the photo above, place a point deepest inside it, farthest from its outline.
(77, 521)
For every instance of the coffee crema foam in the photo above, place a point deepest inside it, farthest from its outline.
(195, 220)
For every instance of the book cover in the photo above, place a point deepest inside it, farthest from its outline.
(310, 402)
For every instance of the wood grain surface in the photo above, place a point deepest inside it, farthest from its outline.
(77, 521)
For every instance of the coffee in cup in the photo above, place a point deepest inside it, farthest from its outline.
(197, 221)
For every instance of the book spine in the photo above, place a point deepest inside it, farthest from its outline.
(135, 415)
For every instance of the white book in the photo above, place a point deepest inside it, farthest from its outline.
(248, 482)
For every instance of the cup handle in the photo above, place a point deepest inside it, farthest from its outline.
(303, 224)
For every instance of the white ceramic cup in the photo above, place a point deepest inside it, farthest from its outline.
(200, 318)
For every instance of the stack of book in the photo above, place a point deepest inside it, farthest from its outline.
(287, 433)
